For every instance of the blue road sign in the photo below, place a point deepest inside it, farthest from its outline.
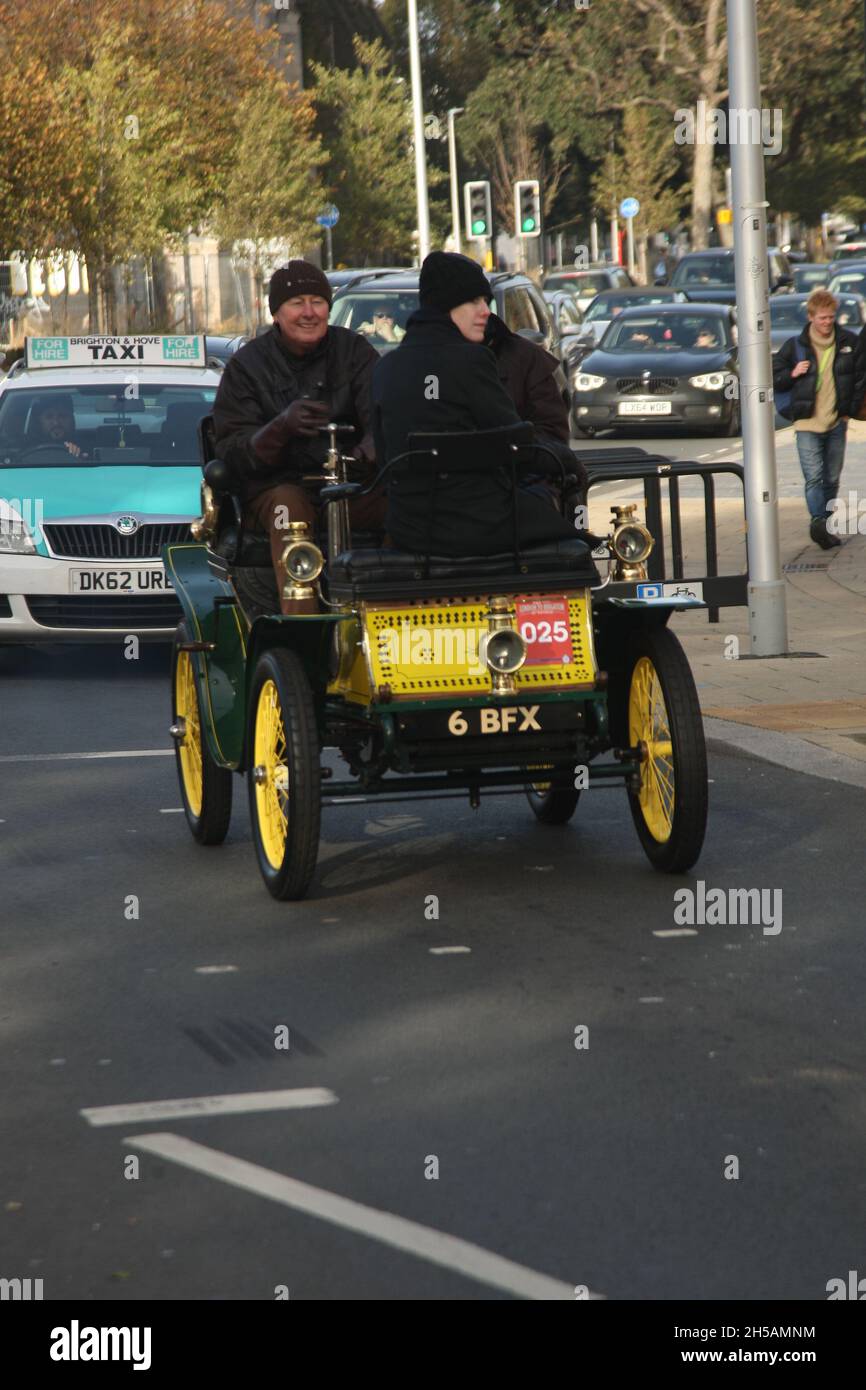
(629, 207)
(330, 217)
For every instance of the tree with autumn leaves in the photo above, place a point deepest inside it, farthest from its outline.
(137, 124)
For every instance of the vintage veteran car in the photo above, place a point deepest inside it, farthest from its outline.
(99, 467)
(533, 671)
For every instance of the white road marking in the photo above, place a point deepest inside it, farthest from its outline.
(676, 931)
(215, 969)
(171, 810)
(651, 999)
(401, 1234)
(244, 1103)
(450, 950)
(79, 757)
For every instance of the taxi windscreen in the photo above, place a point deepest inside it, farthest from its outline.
(47, 426)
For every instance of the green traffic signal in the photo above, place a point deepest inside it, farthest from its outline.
(479, 227)
(529, 224)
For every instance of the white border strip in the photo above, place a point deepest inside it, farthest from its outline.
(448, 1251)
(244, 1103)
(78, 757)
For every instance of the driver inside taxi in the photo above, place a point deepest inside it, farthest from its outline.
(55, 424)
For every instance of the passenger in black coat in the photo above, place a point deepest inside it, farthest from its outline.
(443, 379)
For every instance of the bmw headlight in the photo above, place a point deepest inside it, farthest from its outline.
(708, 381)
(585, 381)
(16, 538)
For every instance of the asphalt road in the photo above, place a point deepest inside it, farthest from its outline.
(600, 1166)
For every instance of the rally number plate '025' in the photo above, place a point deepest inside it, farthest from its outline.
(119, 581)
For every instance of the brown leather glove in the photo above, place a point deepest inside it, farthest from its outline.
(302, 420)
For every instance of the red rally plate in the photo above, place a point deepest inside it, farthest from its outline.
(544, 625)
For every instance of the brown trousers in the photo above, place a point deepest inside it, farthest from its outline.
(365, 513)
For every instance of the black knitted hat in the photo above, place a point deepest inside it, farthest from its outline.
(448, 279)
(297, 277)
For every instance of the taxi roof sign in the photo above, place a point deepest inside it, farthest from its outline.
(154, 350)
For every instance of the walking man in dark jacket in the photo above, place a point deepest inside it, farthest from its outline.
(824, 372)
(443, 379)
(276, 393)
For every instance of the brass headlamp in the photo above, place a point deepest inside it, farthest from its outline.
(303, 562)
(504, 648)
(631, 544)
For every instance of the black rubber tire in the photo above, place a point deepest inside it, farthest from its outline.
(210, 826)
(558, 804)
(292, 878)
(689, 754)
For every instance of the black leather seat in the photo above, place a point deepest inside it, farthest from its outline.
(360, 574)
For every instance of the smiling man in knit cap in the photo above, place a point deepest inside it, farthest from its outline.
(276, 393)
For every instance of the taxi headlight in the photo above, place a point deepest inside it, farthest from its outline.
(505, 651)
(708, 381)
(303, 561)
(16, 538)
(585, 381)
(632, 544)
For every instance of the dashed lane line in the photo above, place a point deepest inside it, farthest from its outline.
(450, 1252)
(78, 757)
(244, 1103)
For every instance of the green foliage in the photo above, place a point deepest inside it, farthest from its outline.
(280, 204)
(365, 117)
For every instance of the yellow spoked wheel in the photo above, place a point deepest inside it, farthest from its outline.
(648, 727)
(553, 801)
(272, 781)
(664, 722)
(284, 774)
(205, 788)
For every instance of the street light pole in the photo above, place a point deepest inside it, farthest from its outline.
(452, 168)
(418, 127)
(767, 615)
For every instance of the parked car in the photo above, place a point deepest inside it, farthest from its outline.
(99, 468)
(788, 315)
(516, 300)
(848, 280)
(810, 275)
(220, 348)
(668, 364)
(850, 251)
(339, 279)
(586, 284)
(709, 275)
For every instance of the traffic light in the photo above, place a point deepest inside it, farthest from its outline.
(527, 208)
(479, 222)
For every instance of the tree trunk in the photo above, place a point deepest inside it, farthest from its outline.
(702, 195)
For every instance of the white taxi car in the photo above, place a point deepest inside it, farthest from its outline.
(99, 468)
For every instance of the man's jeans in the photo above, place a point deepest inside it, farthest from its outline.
(821, 459)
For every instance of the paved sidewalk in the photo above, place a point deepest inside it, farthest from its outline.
(818, 692)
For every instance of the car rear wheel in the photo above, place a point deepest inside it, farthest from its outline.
(205, 787)
(664, 719)
(554, 802)
(284, 776)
